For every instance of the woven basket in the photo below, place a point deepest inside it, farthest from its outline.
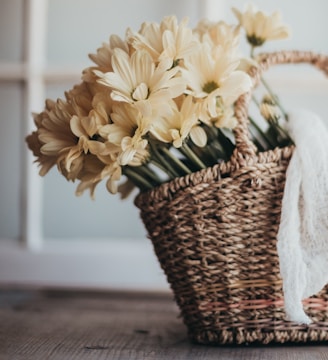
(214, 233)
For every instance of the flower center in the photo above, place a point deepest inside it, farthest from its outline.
(210, 86)
(255, 40)
(94, 137)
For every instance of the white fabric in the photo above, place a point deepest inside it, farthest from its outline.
(303, 233)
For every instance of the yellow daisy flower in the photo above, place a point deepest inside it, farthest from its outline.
(168, 40)
(260, 26)
(53, 139)
(176, 126)
(137, 80)
(95, 170)
(218, 34)
(214, 75)
(104, 53)
(127, 132)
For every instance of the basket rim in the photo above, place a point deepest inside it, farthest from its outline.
(230, 168)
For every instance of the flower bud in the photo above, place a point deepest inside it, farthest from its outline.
(269, 109)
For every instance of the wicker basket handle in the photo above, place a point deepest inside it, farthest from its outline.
(244, 145)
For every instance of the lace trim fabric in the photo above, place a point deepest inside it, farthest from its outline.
(303, 233)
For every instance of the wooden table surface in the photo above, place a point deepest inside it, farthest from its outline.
(113, 325)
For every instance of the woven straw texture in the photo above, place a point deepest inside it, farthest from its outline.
(214, 233)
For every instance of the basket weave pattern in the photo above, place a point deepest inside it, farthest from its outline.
(214, 233)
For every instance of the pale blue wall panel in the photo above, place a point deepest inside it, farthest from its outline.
(11, 30)
(11, 144)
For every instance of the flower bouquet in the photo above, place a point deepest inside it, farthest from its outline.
(166, 111)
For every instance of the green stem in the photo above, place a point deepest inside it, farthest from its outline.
(145, 170)
(257, 103)
(165, 165)
(268, 88)
(226, 143)
(283, 133)
(217, 152)
(252, 51)
(138, 180)
(160, 166)
(260, 131)
(176, 161)
(276, 126)
(258, 141)
(186, 150)
(208, 154)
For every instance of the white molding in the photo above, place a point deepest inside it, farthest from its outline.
(51, 74)
(59, 74)
(36, 32)
(34, 93)
(91, 263)
(12, 71)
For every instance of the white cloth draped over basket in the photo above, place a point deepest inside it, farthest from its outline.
(303, 233)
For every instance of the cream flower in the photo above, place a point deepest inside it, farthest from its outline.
(136, 80)
(66, 132)
(46, 161)
(168, 40)
(55, 141)
(226, 116)
(178, 41)
(127, 132)
(260, 26)
(269, 109)
(87, 127)
(85, 123)
(218, 34)
(113, 171)
(90, 177)
(97, 169)
(103, 57)
(125, 189)
(177, 126)
(211, 76)
(54, 136)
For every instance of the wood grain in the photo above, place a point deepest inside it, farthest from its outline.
(115, 325)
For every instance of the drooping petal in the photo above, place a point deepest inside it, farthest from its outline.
(198, 136)
(140, 92)
(122, 67)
